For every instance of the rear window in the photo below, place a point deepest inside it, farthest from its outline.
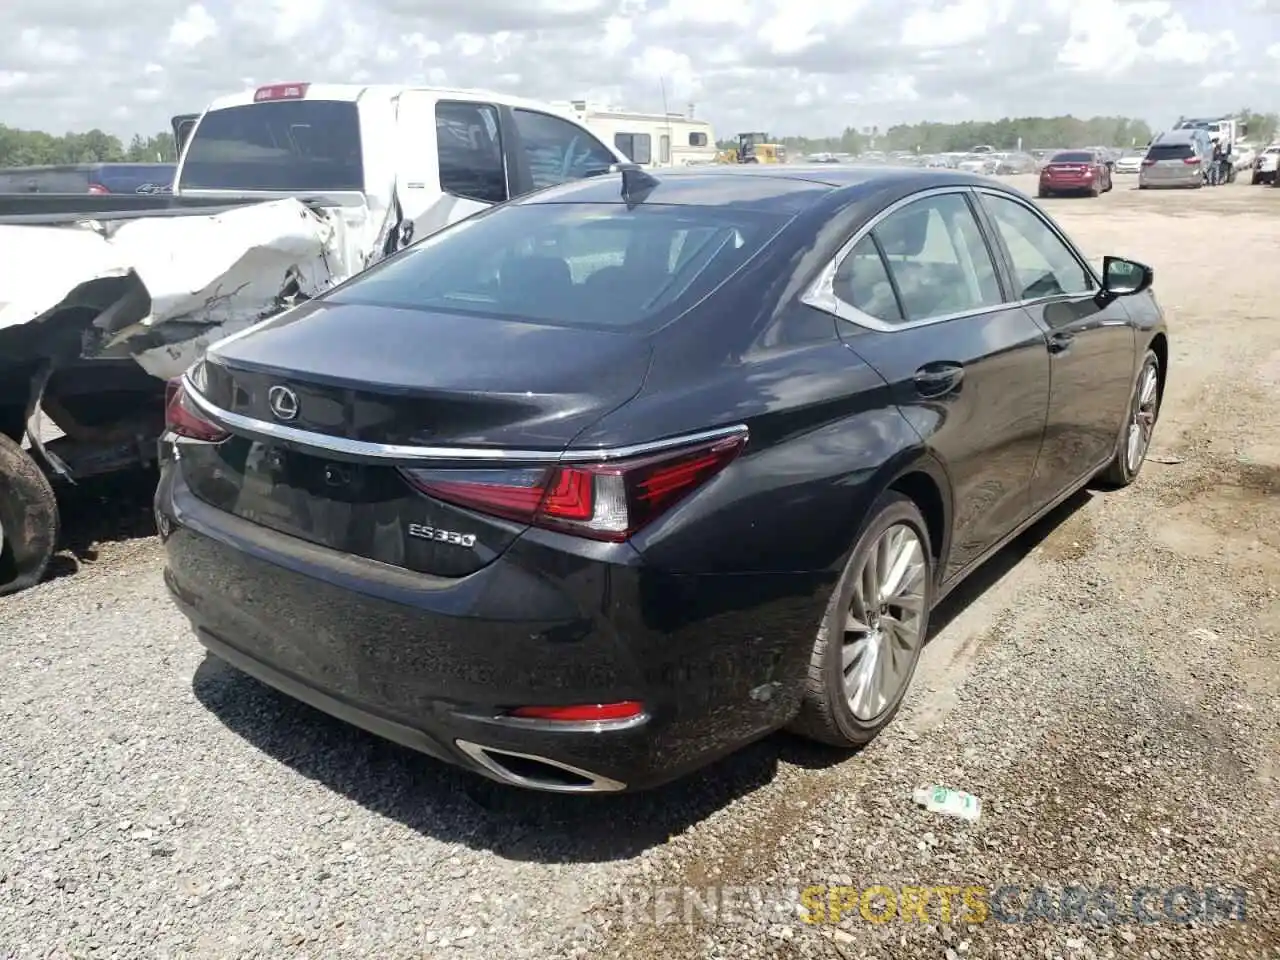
(293, 145)
(1170, 151)
(1072, 156)
(590, 265)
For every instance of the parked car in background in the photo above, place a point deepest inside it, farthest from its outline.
(99, 178)
(1012, 163)
(498, 500)
(1075, 171)
(984, 163)
(1177, 158)
(1265, 165)
(1129, 162)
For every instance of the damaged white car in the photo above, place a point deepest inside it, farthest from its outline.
(281, 192)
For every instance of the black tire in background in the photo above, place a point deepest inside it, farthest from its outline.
(28, 519)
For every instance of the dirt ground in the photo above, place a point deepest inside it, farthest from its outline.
(1109, 686)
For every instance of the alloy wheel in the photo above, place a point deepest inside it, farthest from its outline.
(1143, 421)
(885, 623)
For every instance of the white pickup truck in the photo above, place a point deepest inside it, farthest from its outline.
(280, 193)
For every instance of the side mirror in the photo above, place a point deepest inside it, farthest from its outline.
(1123, 278)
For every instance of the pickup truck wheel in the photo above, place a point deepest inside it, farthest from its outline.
(28, 519)
(874, 629)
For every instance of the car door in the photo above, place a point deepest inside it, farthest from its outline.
(926, 308)
(1091, 342)
(553, 150)
(452, 160)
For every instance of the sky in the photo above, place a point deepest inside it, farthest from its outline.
(789, 67)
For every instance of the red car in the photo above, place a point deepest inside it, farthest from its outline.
(1075, 171)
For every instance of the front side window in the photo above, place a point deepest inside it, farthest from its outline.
(637, 146)
(570, 264)
(1043, 266)
(470, 151)
(557, 150)
(939, 261)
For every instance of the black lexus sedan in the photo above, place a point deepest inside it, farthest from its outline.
(601, 484)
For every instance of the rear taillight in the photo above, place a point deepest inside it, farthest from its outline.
(182, 418)
(98, 188)
(582, 713)
(1148, 162)
(600, 501)
(1190, 160)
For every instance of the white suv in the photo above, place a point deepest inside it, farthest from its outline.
(1265, 165)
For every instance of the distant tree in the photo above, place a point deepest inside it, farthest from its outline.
(26, 148)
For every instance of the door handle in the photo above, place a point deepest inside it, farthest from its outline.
(1061, 342)
(937, 379)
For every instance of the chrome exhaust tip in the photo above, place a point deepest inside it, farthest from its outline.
(532, 772)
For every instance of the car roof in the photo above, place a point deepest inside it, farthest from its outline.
(773, 188)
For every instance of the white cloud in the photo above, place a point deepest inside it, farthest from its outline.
(193, 27)
(785, 66)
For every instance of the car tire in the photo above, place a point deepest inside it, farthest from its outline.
(1044, 194)
(28, 519)
(1141, 415)
(830, 712)
(1254, 180)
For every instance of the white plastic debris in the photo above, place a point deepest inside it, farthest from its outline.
(948, 802)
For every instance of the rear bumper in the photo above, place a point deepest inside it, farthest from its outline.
(1065, 184)
(433, 663)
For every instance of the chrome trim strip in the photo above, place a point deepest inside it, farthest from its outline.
(365, 449)
(481, 755)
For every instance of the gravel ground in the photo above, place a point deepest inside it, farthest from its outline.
(1110, 687)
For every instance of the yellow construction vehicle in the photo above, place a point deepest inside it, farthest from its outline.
(754, 148)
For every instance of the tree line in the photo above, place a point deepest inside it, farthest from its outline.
(23, 148)
(31, 148)
(1005, 134)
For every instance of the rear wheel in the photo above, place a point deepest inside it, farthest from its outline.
(28, 519)
(1044, 194)
(870, 639)
(1139, 424)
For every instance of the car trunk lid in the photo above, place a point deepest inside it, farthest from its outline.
(322, 413)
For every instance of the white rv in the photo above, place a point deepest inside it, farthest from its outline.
(649, 139)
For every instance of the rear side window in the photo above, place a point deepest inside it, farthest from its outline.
(286, 145)
(593, 265)
(558, 150)
(1170, 151)
(470, 151)
(862, 280)
(939, 261)
(637, 146)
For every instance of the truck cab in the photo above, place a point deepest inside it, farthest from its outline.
(398, 161)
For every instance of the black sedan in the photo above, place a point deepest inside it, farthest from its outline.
(605, 482)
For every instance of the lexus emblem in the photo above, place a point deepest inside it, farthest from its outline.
(283, 403)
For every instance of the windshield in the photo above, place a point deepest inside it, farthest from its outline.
(1073, 156)
(283, 145)
(591, 265)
